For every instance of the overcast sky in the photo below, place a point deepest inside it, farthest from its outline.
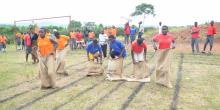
(111, 12)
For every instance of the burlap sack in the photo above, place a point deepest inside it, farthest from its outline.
(94, 69)
(60, 61)
(163, 67)
(47, 71)
(140, 72)
(115, 69)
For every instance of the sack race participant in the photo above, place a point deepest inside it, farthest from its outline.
(139, 58)
(163, 61)
(62, 43)
(46, 53)
(94, 54)
(115, 64)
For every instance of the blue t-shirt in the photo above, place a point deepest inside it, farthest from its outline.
(93, 49)
(133, 31)
(117, 47)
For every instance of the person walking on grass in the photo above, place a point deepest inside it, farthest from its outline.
(94, 51)
(62, 42)
(28, 46)
(46, 53)
(133, 33)
(210, 37)
(103, 40)
(127, 30)
(165, 42)
(195, 38)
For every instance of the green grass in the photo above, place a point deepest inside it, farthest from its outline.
(199, 87)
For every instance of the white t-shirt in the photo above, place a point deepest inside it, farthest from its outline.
(102, 39)
(141, 28)
(160, 29)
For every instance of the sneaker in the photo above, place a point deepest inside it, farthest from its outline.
(203, 52)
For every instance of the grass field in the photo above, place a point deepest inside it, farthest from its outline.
(196, 81)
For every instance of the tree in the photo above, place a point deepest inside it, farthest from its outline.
(74, 25)
(144, 9)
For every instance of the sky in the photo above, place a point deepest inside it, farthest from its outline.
(110, 12)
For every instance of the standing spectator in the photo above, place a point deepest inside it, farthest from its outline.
(103, 42)
(85, 36)
(18, 40)
(72, 40)
(1, 42)
(113, 31)
(195, 38)
(23, 42)
(127, 30)
(133, 33)
(4, 40)
(141, 29)
(79, 42)
(28, 45)
(34, 47)
(91, 36)
(160, 28)
(210, 37)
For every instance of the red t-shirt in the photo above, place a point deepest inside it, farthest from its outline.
(164, 40)
(127, 30)
(138, 48)
(195, 29)
(211, 30)
(79, 36)
(27, 40)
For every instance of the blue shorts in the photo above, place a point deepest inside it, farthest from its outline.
(209, 40)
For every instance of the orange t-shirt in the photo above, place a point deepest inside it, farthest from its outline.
(4, 39)
(73, 35)
(91, 35)
(22, 36)
(1, 39)
(45, 46)
(18, 35)
(62, 41)
(114, 31)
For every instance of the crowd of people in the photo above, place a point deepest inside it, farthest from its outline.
(49, 50)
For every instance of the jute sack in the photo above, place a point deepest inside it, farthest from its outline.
(115, 69)
(95, 68)
(163, 67)
(140, 72)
